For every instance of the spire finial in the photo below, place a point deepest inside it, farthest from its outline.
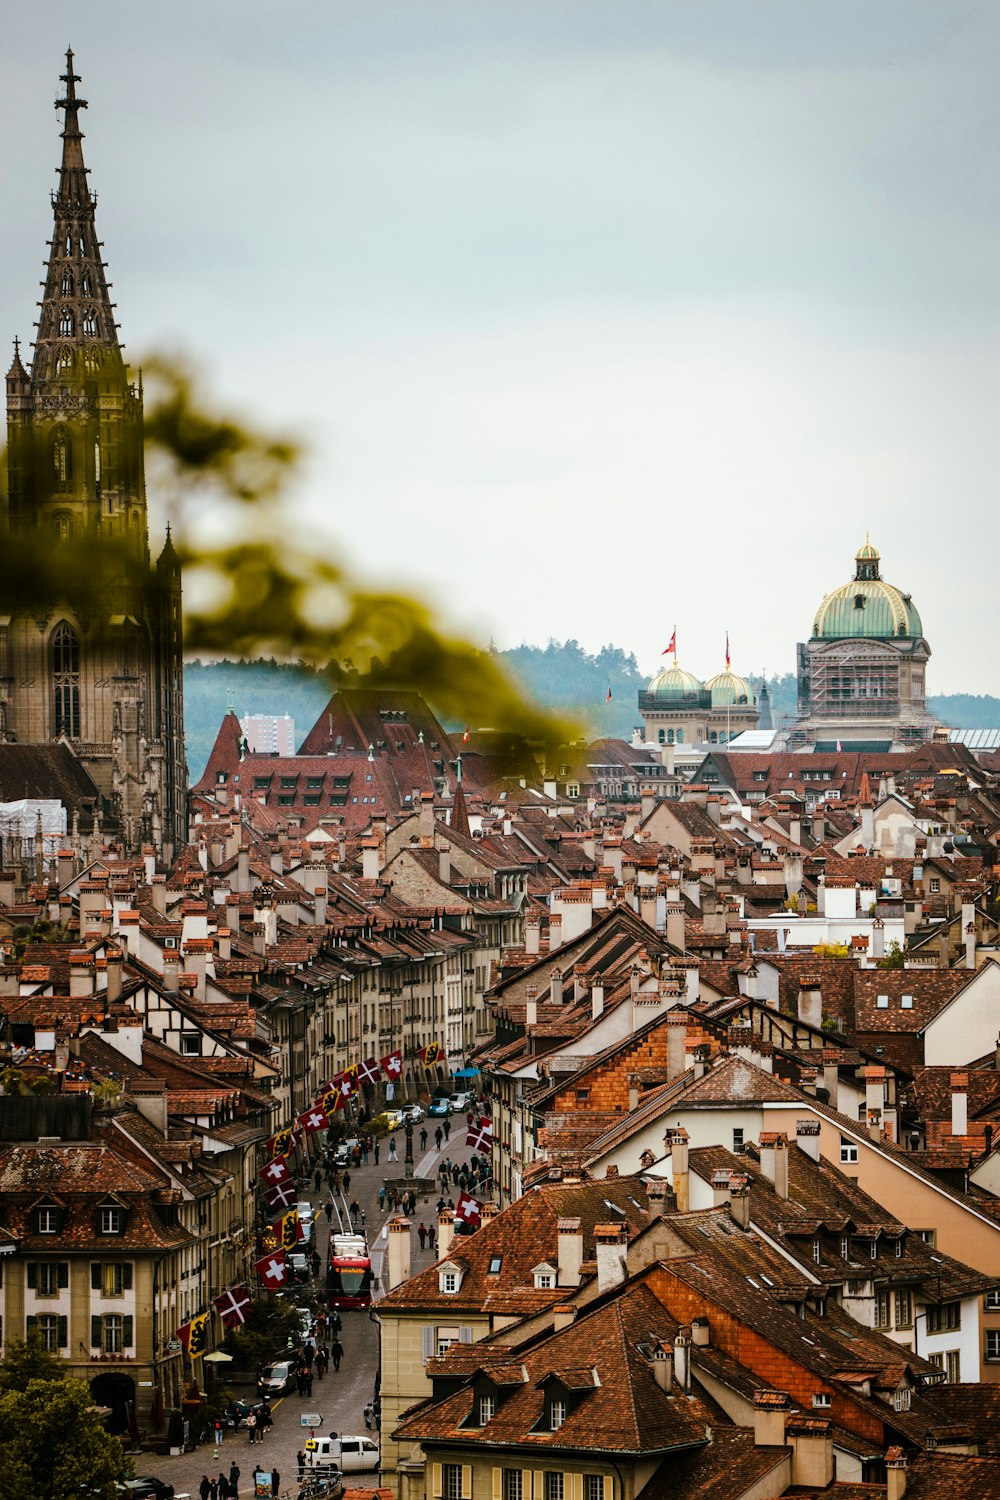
(17, 347)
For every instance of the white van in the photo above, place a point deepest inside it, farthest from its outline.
(351, 1455)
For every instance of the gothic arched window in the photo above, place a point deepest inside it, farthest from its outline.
(87, 284)
(62, 525)
(66, 680)
(62, 460)
(90, 321)
(66, 321)
(670, 736)
(67, 282)
(64, 362)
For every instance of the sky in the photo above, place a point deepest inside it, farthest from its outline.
(598, 318)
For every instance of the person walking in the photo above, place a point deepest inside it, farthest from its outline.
(328, 1210)
(423, 1138)
(318, 1179)
(309, 1382)
(300, 1463)
(430, 1236)
(381, 1198)
(275, 1482)
(205, 1488)
(364, 1152)
(347, 1183)
(447, 1128)
(375, 1153)
(364, 1217)
(438, 1138)
(336, 1353)
(355, 1209)
(213, 1489)
(252, 1427)
(222, 1486)
(369, 1416)
(234, 1481)
(422, 1234)
(392, 1149)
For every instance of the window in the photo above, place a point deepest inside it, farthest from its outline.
(449, 1281)
(496, 1261)
(112, 1333)
(845, 1247)
(67, 323)
(557, 1413)
(111, 1278)
(817, 1250)
(451, 1481)
(46, 1278)
(67, 282)
(901, 1399)
(881, 1309)
(929, 1237)
(738, 1138)
(52, 1328)
(947, 1316)
(903, 1309)
(848, 1150)
(993, 1343)
(882, 1002)
(90, 322)
(66, 680)
(907, 1002)
(821, 1400)
(190, 1043)
(47, 1220)
(680, 736)
(993, 1301)
(935, 887)
(110, 1221)
(487, 1406)
(543, 1280)
(953, 1366)
(513, 1488)
(554, 1485)
(593, 1487)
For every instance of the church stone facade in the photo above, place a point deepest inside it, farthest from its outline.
(98, 664)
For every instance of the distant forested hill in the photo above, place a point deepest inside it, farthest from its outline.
(559, 675)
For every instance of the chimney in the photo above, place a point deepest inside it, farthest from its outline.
(810, 1007)
(158, 894)
(610, 1243)
(770, 1412)
(444, 865)
(150, 1099)
(555, 931)
(774, 1160)
(895, 1474)
(570, 1257)
(425, 825)
(114, 975)
(831, 1081)
(676, 1143)
(812, 1451)
(663, 1366)
(446, 1232)
(277, 861)
(701, 1333)
(171, 969)
(597, 999)
(371, 859)
(530, 1007)
(959, 1103)
(969, 934)
(224, 943)
(807, 1136)
(81, 975)
(243, 870)
(682, 1359)
(532, 933)
(398, 1233)
(676, 1044)
(233, 914)
(675, 926)
(818, 827)
(556, 987)
(739, 1201)
(563, 1316)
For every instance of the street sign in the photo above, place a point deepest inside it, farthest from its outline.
(310, 1419)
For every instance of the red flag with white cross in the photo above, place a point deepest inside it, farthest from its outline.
(276, 1171)
(314, 1119)
(468, 1211)
(273, 1270)
(392, 1066)
(480, 1137)
(233, 1306)
(281, 1194)
(368, 1071)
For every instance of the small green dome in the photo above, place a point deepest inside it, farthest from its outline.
(729, 691)
(867, 607)
(675, 686)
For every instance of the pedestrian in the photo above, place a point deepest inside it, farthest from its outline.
(347, 1183)
(336, 1353)
(222, 1486)
(392, 1149)
(264, 1421)
(423, 1138)
(437, 1138)
(300, 1461)
(234, 1481)
(364, 1217)
(355, 1209)
(447, 1128)
(252, 1427)
(319, 1367)
(381, 1198)
(430, 1236)
(364, 1152)
(322, 1362)
(275, 1482)
(309, 1383)
(336, 1322)
(318, 1178)
(422, 1234)
(256, 1478)
(369, 1416)
(375, 1153)
(328, 1210)
(205, 1488)
(469, 1119)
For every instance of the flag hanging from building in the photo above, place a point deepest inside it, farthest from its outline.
(194, 1335)
(728, 662)
(468, 1211)
(392, 1065)
(273, 1270)
(233, 1306)
(480, 1136)
(314, 1119)
(281, 1144)
(281, 1194)
(288, 1230)
(368, 1071)
(430, 1054)
(671, 644)
(608, 698)
(276, 1171)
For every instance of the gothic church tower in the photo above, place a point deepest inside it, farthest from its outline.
(102, 669)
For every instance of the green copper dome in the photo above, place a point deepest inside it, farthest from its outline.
(729, 691)
(675, 686)
(867, 607)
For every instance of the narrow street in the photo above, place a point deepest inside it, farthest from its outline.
(340, 1398)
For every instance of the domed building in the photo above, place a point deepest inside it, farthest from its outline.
(862, 674)
(677, 709)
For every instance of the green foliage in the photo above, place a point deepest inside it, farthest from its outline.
(831, 950)
(52, 1438)
(265, 1334)
(895, 958)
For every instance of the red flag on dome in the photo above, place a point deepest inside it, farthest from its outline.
(728, 662)
(671, 644)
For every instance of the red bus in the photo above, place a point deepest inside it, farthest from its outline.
(349, 1271)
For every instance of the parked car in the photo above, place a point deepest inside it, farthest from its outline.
(276, 1379)
(462, 1102)
(439, 1107)
(306, 1213)
(351, 1455)
(393, 1119)
(413, 1112)
(145, 1487)
(299, 1264)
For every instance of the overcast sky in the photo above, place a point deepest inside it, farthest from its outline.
(600, 317)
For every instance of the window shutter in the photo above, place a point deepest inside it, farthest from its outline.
(127, 1331)
(63, 1338)
(435, 1474)
(95, 1333)
(63, 1273)
(127, 1276)
(466, 1482)
(30, 1323)
(95, 1275)
(427, 1336)
(465, 1336)
(575, 1486)
(498, 1484)
(32, 1271)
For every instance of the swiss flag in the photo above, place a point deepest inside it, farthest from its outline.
(275, 1171)
(468, 1211)
(368, 1071)
(314, 1119)
(392, 1066)
(347, 1084)
(480, 1136)
(281, 1194)
(233, 1306)
(273, 1270)
(671, 644)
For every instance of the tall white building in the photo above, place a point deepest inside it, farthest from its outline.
(269, 734)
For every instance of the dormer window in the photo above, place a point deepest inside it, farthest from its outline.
(48, 1220)
(545, 1276)
(450, 1278)
(557, 1413)
(449, 1281)
(110, 1219)
(486, 1407)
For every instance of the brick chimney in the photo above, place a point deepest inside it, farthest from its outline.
(895, 1474)
(770, 1413)
(398, 1251)
(739, 1201)
(570, 1256)
(811, 1439)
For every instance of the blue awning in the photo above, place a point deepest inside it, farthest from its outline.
(466, 1073)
